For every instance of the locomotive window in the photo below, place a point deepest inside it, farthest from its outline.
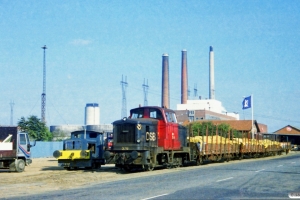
(155, 114)
(93, 135)
(76, 135)
(171, 117)
(138, 113)
(174, 119)
(91, 147)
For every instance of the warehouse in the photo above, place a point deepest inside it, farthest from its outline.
(289, 134)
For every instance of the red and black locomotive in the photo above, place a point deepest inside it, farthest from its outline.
(148, 138)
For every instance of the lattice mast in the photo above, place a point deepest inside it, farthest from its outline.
(124, 104)
(145, 87)
(43, 106)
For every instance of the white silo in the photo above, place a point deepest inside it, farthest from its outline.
(92, 114)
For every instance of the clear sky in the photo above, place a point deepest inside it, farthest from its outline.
(91, 44)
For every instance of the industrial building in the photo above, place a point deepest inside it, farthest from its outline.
(211, 109)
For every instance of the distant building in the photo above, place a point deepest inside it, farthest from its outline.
(289, 134)
(209, 109)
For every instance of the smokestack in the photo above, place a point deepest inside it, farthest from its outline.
(184, 83)
(211, 74)
(165, 100)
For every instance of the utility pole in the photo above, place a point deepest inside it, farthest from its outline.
(11, 112)
(145, 87)
(43, 109)
(124, 107)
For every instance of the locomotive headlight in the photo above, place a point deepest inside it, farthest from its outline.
(138, 140)
(83, 153)
(124, 118)
(56, 154)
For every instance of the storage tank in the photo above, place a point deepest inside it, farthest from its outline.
(92, 114)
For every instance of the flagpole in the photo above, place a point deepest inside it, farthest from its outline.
(252, 130)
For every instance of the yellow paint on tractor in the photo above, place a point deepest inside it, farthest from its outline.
(74, 154)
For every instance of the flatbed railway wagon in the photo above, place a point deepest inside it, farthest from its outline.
(216, 145)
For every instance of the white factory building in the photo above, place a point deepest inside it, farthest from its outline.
(209, 109)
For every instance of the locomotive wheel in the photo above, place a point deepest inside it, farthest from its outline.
(169, 166)
(199, 161)
(241, 157)
(149, 167)
(127, 168)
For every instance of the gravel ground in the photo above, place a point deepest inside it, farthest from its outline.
(44, 175)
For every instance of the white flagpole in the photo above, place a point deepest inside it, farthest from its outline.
(252, 116)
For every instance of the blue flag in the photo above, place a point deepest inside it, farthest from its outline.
(247, 102)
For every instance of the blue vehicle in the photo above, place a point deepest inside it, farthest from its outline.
(85, 149)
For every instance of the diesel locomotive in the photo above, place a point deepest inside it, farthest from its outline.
(85, 149)
(148, 138)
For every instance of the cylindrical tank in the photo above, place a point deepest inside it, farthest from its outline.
(92, 114)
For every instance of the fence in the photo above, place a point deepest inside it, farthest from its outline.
(45, 149)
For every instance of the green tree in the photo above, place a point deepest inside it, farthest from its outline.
(35, 128)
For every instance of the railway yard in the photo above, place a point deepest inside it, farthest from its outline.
(44, 175)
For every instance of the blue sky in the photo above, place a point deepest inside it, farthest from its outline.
(91, 44)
